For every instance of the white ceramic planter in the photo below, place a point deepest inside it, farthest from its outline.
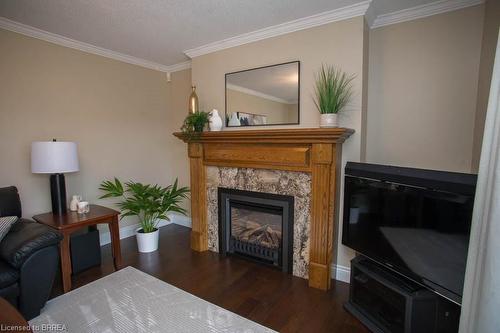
(328, 120)
(147, 242)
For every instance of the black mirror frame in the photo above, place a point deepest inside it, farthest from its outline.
(251, 69)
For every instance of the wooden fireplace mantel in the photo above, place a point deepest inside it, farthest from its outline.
(313, 150)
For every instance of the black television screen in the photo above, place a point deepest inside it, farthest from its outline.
(415, 222)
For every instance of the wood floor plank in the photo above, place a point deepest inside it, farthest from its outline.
(259, 293)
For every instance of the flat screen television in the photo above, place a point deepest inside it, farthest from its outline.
(415, 222)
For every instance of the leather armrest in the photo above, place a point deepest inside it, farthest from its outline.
(24, 238)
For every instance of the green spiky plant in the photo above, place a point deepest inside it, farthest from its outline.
(333, 89)
(149, 203)
(194, 124)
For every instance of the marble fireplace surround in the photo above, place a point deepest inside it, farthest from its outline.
(296, 160)
(296, 184)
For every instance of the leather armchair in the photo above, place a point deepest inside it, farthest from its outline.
(29, 258)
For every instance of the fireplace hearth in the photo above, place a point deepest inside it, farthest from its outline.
(257, 226)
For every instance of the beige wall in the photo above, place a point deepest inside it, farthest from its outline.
(340, 43)
(415, 91)
(122, 117)
(423, 77)
(489, 44)
(276, 112)
(422, 85)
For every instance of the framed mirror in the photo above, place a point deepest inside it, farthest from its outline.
(264, 96)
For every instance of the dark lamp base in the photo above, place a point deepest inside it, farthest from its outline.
(58, 193)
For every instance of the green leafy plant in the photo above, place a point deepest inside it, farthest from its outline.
(148, 202)
(194, 124)
(333, 89)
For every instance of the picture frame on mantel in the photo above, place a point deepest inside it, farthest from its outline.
(277, 85)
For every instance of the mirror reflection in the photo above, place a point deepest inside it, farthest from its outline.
(263, 96)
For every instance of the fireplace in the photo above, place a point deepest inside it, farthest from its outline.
(257, 226)
(310, 156)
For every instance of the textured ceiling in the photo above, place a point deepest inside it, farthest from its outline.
(160, 30)
(381, 7)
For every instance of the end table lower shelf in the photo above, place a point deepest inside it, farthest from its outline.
(70, 222)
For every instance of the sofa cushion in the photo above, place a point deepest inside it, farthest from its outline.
(25, 238)
(6, 223)
(8, 275)
(10, 204)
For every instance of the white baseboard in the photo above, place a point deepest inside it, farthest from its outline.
(180, 220)
(128, 231)
(341, 273)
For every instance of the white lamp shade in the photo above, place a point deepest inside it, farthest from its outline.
(54, 157)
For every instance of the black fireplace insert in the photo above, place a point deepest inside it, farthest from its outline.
(257, 226)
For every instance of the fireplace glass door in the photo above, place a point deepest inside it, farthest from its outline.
(257, 226)
(257, 229)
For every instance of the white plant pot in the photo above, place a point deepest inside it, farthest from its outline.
(147, 242)
(329, 120)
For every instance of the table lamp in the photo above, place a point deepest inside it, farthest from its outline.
(55, 158)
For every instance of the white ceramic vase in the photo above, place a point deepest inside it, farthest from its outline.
(234, 120)
(73, 206)
(215, 123)
(147, 242)
(329, 120)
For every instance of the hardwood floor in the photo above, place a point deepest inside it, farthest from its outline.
(262, 294)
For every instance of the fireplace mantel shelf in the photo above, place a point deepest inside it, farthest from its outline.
(294, 135)
(313, 150)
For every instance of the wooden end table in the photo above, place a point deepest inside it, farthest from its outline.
(70, 222)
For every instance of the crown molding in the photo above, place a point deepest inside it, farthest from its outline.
(256, 93)
(339, 14)
(30, 31)
(359, 9)
(422, 11)
(179, 67)
(370, 15)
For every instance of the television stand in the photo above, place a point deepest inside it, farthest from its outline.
(387, 302)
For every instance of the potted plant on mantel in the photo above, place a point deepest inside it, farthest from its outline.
(194, 124)
(150, 203)
(333, 91)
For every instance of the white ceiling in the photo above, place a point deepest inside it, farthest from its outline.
(381, 7)
(159, 31)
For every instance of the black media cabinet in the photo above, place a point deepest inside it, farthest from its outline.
(387, 302)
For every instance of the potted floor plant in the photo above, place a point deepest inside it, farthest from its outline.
(150, 203)
(333, 90)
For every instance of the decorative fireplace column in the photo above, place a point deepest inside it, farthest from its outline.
(313, 150)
